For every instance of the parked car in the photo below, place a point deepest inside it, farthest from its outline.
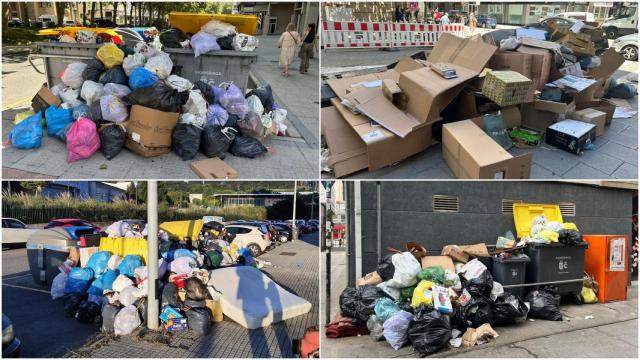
(15, 232)
(15, 22)
(254, 238)
(10, 343)
(314, 223)
(71, 222)
(487, 21)
(104, 23)
(578, 15)
(282, 232)
(301, 225)
(623, 22)
(567, 23)
(627, 46)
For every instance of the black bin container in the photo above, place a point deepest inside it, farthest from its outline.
(510, 271)
(556, 262)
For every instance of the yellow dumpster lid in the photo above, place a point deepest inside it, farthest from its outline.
(73, 30)
(523, 215)
(192, 22)
(182, 229)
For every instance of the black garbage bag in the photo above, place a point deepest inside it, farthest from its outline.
(185, 140)
(159, 96)
(96, 113)
(199, 320)
(385, 267)
(358, 303)
(93, 70)
(478, 311)
(232, 120)
(508, 309)
(88, 311)
(429, 330)
(569, 237)
(114, 75)
(459, 320)
(196, 289)
(112, 139)
(480, 286)
(109, 313)
(170, 296)
(216, 141)
(245, 146)
(72, 303)
(206, 90)
(265, 95)
(544, 304)
(226, 42)
(172, 38)
(141, 305)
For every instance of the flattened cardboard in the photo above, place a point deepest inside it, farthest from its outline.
(213, 168)
(348, 152)
(554, 106)
(610, 61)
(455, 253)
(150, 127)
(146, 151)
(473, 154)
(471, 53)
(43, 99)
(542, 44)
(477, 250)
(443, 261)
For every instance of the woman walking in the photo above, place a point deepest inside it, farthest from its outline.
(308, 45)
(288, 43)
(473, 23)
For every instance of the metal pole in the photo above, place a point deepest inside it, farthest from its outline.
(357, 205)
(379, 220)
(295, 226)
(152, 256)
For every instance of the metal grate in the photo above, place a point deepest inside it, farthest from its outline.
(507, 205)
(567, 209)
(445, 203)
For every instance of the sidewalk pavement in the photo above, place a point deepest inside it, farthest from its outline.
(538, 334)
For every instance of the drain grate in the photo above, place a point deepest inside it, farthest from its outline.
(285, 253)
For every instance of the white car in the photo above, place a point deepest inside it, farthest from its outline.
(15, 232)
(627, 46)
(254, 238)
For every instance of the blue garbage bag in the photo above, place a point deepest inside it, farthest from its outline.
(96, 287)
(176, 253)
(98, 262)
(385, 308)
(142, 78)
(129, 265)
(622, 89)
(28, 133)
(217, 115)
(78, 280)
(81, 110)
(57, 119)
(108, 278)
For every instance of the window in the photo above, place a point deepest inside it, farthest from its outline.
(445, 203)
(567, 209)
(495, 8)
(15, 224)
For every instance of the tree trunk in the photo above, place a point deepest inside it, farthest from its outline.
(84, 13)
(115, 12)
(126, 22)
(24, 13)
(5, 19)
(60, 7)
(93, 11)
(139, 6)
(101, 13)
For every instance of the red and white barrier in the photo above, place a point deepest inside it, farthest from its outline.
(359, 35)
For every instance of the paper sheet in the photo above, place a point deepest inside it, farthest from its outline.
(623, 113)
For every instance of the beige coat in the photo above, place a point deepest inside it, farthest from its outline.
(288, 43)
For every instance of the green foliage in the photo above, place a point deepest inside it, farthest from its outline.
(19, 36)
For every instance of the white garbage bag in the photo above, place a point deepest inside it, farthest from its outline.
(114, 262)
(160, 65)
(72, 75)
(126, 320)
(203, 42)
(191, 119)
(255, 104)
(183, 265)
(147, 51)
(129, 295)
(69, 95)
(91, 91)
(120, 283)
(132, 62)
(244, 42)
(196, 104)
(179, 83)
(118, 90)
(406, 269)
(57, 286)
(57, 89)
(113, 109)
(218, 28)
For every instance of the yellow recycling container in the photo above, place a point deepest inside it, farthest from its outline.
(73, 30)
(125, 246)
(523, 215)
(181, 230)
(192, 22)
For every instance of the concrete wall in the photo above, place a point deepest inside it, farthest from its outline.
(283, 12)
(407, 212)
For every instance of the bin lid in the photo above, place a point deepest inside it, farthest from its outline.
(523, 215)
(54, 238)
(182, 229)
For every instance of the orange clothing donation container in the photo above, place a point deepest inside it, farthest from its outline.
(607, 260)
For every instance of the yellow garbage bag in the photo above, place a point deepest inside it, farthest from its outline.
(216, 310)
(588, 295)
(23, 115)
(548, 235)
(422, 294)
(570, 226)
(110, 55)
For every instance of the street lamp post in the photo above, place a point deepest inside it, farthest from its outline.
(294, 227)
(152, 255)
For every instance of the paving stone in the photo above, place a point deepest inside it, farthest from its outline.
(627, 172)
(582, 171)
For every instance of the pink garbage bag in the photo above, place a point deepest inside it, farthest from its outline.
(82, 140)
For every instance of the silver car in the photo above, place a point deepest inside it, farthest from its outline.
(627, 46)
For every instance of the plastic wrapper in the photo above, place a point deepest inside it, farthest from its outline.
(86, 37)
(126, 321)
(537, 224)
(160, 65)
(544, 304)
(110, 55)
(251, 126)
(119, 90)
(217, 115)
(496, 291)
(112, 139)
(375, 328)
(510, 43)
(203, 42)
(190, 119)
(93, 70)
(385, 308)
(196, 104)
(78, 280)
(508, 309)
(178, 83)
(57, 119)
(173, 39)
(113, 109)
(114, 75)
(248, 147)
(429, 331)
(144, 49)
(57, 286)
(72, 75)
(205, 90)
(82, 140)
(396, 328)
(159, 97)
(129, 265)
(216, 140)
(218, 28)
(186, 141)
(244, 42)
(359, 303)
(132, 62)
(545, 236)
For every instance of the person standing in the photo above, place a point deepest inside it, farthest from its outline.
(444, 19)
(308, 45)
(473, 23)
(398, 14)
(288, 43)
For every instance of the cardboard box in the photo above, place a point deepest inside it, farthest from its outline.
(213, 168)
(149, 131)
(85, 254)
(511, 60)
(511, 116)
(427, 92)
(455, 253)
(392, 92)
(477, 250)
(443, 261)
(347, 151)
(606, 107)
(43, 99)
(536, 119)
(591, 116)
(472, 154)
(507, 88)
(472, 104)
(372, 278)
(570, 135)
(541, 61)
(554, 106)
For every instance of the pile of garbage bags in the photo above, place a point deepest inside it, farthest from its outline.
(215, 35)
(547, 232)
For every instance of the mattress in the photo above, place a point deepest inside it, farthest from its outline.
(252, 299)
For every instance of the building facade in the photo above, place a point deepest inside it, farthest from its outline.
(274, 17)
(95, 190)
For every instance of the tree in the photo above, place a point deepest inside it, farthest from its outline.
(126, 22)
(93, 11)
(101, 13)
(115, 12)
(24, 12)
(5, 19)
(60, 8)
(33, 186)
(84, 13)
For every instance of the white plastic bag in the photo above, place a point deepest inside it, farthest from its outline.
(126, 320)
(537, 225)
(191, 119)
(121, 282)
(69, 95)
(244, 42)
(510, 43)
(86, 37)
(147, 51)
(203, 42)
(57, 286)
(72, 75)
(113, 109)
(57, 89)
(496, 291)
(179, 83)
(453, 278)
(406, 269)
(395, 329)
(183, 265)
(67, 39)
(129, 295)
(118, 90)
(160, 65)
(141, 273)
(196, 104)
(114, 262)
(553, 226)
(255, 104)
(91, 91)
(218, 28)
(132, 62)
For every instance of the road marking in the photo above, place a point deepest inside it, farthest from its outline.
(16, 103)
(26, 288)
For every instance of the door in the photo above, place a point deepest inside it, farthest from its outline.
(273, 22)
(617, 269)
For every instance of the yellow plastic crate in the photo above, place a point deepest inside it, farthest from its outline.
(182, 229)
(125, 246)
(191, 22)
(523, 215)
